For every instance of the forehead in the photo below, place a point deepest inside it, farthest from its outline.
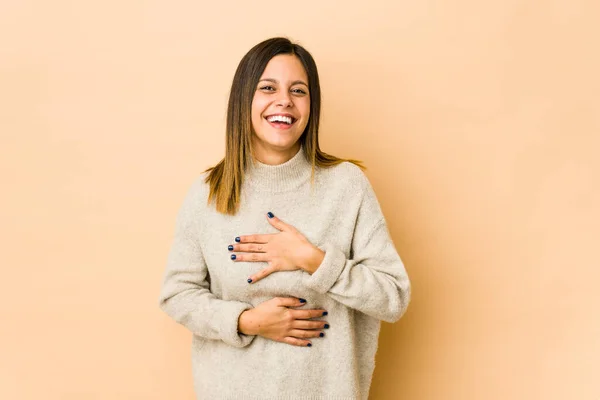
(285, 67)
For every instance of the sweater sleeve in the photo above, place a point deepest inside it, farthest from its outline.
(185, 293)
(374, 280)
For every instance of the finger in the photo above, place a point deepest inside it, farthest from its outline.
(308, 314)
(304, 324)
(249, 248)
(253, 238)
(306, 334)
(279, 224)
(250, 257)
(261, 274)
(296, 342)
(289, 301)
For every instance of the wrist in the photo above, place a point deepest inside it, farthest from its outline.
(246, 325)
(314, 260)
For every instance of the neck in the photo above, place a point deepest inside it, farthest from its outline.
(281, 177)
(275, 157)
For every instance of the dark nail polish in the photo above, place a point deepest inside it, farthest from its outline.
(249, 280)
(321, 334)
(233, 256)
(270, 214)
(326, 326)
(237, 239)
(309, 345)
(230, 248)
(325, 313)
(302, 301)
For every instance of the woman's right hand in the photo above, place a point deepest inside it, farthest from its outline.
(275, 319)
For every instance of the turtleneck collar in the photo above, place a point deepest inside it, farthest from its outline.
(279, 178)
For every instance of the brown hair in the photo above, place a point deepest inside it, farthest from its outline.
(225, 179)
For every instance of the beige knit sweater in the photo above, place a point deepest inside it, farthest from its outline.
(360, 282)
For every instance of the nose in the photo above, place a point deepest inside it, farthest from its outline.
(284, 99)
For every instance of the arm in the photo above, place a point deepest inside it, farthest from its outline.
(185, 293)
(374, 281)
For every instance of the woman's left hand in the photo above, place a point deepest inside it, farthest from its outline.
(286, 250)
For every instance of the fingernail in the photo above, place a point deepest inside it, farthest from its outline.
(237, 239)
(309, 345)
(321, 334)
(325, 313)
(326, 326)
(302, 300)
(233, 256)
(230, 248)
(249, 280)
(270, 214)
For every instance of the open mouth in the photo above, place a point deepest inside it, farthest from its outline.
(281, 121)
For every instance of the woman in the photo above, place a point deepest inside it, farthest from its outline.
(284, 308)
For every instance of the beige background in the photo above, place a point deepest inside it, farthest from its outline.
(480, 125)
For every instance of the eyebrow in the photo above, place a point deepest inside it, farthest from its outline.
(276, 81)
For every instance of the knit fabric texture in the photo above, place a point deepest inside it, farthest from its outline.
(360, 282)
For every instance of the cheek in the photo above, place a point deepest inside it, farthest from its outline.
(305, 110)
(305, 106)
(258, 106)
(255, 110)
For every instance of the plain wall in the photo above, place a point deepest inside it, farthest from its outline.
(479, 123)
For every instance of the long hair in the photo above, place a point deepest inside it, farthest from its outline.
(225, 179)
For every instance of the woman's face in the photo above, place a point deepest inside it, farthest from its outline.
(281, 106)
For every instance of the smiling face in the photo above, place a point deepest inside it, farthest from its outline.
(280, 109)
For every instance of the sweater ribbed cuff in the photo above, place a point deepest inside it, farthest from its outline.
(229, 324)
(328, 272)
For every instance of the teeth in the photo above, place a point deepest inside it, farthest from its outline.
(280, 118)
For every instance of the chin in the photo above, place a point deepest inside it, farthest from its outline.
(281, 143)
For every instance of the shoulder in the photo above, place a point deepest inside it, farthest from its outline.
(349, 181)
(197, 191)
(346, 173)
(198, 184)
